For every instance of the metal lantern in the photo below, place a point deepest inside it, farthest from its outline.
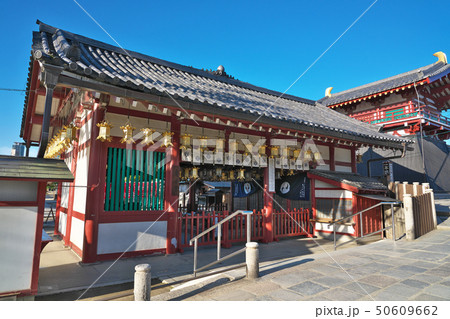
(220, 144)
(308, 155)
(248, 148)
(317, 156)
(297, 153)
(167, 139)
(224, 176)
(148, 136)
(203, 142)
(71, 133)
(275, 151)
(104, 133)
(262, 150)
(241, 174)
(218, 172)
(285, 152)
(194, 172)
(127, 134)
(231, 176)
(234, 145)
(185, 140)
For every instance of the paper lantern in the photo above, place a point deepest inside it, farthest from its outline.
(104, 133)
(167, 139)
(127, 134)
(148, 136)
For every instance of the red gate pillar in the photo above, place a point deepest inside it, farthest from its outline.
(268, 231)
(171, 191)
(96, 188)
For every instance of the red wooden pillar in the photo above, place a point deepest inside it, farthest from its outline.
(268, 231)
(332, 159)
(95, 193)
(171, 191)
(313, 205)
(57, 207)
(353, 154)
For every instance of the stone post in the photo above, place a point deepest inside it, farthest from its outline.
(252, 260)
(409, 217)
(142, 282)
(433, 206)
(415, 188)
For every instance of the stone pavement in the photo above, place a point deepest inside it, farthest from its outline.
(384, 271)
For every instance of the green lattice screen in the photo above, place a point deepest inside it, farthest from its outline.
(134, 180)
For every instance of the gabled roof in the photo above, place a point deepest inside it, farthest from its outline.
(349, 181)
(427, 73)
(30, 168)
(105, 63)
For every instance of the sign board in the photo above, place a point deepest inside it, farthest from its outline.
(388, 170)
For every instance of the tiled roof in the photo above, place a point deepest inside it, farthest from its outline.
(396, 81)
(12, 167)
(351, 179)
(113, 65)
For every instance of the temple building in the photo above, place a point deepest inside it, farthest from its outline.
(161, 151)
(409, 105)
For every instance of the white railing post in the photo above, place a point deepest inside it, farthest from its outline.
(409, 217)
(142, 282)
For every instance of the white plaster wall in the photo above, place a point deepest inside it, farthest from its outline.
(62, 223)
(117, 237)
(81, 178)
(65, 195)
(340, 168)
(17, 239)
(342, 155)
(77, 232)
(320, 184)
(333, 194)
(85, 132)
(347, 229)
(324, 167)
(18, 191)
(324, 151)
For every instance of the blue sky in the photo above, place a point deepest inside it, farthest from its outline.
(266, 43)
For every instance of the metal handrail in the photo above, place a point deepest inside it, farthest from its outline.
(219, 239)
(361, 225)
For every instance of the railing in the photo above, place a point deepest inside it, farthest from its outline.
(291, 223)
(433, 115)
(340, 221)
(218, 227)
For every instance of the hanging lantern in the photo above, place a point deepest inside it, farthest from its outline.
(224, 176)
(220, 144)
(274, 151)
(218, 172)
(127, 134)
(262, 150)
(248, 148)
(234, 145)
(167, 139)
(203, 142)
(194, 172)
(231, 176)
(185, 141)
(186, 174)
(241, 174)
(104, 133)
(308, 155)
(296, 153)
(317, 156)
(148, 136)
(359, 158)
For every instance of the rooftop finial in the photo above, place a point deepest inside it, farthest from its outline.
(328, 91)
(441, 57)
(220, 69)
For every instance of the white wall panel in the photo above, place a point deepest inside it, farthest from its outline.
(324, 167)
(85, 132)
(17, 239)
(342, 155)
(77, 232)
(65, 195)
(117, 237)
(320, 184)
(340, 168)
(81, 179)
(324, 151)
(62, 223)
(18, 191)
(347, 229)
(333, 194)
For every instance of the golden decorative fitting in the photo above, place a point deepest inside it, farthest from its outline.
(104, 133)
(148, 136)
(127, 134)
(167, 139)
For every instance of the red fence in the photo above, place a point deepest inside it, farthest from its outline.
(292, 223)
